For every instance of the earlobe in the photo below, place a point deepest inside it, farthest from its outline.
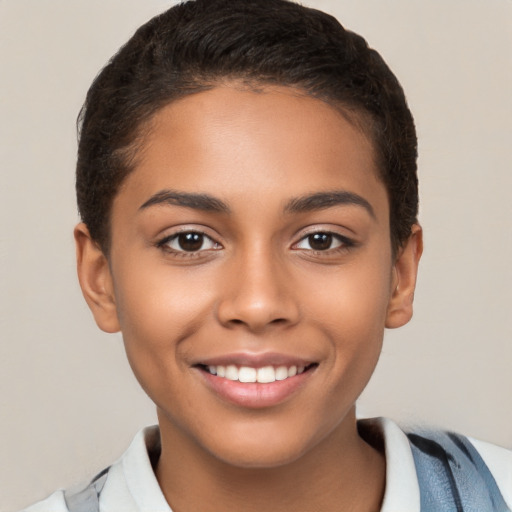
(95, 280)
(405, 270)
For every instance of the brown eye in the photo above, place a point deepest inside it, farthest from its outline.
(190, 241)
(320, 241)
(323, 241)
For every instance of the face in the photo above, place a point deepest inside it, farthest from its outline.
(251, 272)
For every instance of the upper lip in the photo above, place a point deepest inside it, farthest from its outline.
(255, 360)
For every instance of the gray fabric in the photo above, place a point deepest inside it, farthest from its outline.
(452, 475)
(88, 499)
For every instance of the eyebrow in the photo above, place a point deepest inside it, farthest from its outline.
(323, 200)
(307, 203)
(202, 202)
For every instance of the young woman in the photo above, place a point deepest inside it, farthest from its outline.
(247, 185)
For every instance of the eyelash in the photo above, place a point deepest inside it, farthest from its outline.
(165, 244)
(344, 243)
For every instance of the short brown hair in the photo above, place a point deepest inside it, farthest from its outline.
(195, 45)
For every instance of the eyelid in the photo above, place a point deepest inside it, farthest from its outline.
(338, 239)
(164, 241)
(346, 242)
(335, 230)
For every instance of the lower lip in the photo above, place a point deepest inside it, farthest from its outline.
(255, 395)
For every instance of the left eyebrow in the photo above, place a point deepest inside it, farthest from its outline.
(323, 200)
(202, 202)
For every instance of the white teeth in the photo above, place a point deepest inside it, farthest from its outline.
(266, 374)
(246, 374)
(231, 372)
(281, 372)
(263, 375)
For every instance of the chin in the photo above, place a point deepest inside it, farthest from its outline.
(262, 450)
(262, 458)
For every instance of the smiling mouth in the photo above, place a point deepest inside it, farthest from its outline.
(263, 375)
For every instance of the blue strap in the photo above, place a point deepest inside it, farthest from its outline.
(88, 499)
(452, 475)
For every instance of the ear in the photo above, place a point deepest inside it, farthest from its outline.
(404, 279)
(95, 280)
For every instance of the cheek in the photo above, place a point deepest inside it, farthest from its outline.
(352, 299)
(349, 306)
(157, 310)
(154, 297)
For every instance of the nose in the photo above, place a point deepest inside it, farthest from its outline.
(257, 294)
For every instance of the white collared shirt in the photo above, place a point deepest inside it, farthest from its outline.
(131, 485)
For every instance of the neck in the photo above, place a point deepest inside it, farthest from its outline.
(342, 472)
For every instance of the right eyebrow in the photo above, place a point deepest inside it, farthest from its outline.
(203, 202)
(329, 199)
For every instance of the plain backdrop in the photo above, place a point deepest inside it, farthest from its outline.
(68, 402)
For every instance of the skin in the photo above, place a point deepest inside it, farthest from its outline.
(256, 286)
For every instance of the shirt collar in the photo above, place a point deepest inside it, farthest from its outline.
(402, 489)
(401, 493)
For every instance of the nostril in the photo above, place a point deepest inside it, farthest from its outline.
(256, 313)
(275, 321)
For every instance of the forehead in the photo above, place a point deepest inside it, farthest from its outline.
(245, 145)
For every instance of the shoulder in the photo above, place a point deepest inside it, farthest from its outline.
(469, 472)
(86, 499)
(432, 470)
(128, 485)
(499, 462)
(55, 503)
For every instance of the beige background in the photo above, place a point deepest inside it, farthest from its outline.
(68, 403)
